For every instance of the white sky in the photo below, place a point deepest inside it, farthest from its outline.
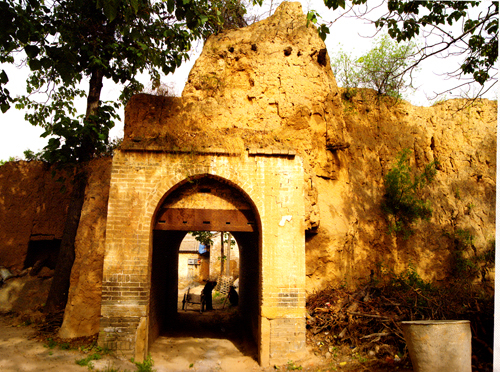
(349, 34)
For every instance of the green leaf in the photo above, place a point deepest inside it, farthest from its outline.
(312, 17)
(110, 9)
(334, 4)
(35, 64)
(170, 6)
(323, 30)
(135, 5)
(4, 79)
(31, 50)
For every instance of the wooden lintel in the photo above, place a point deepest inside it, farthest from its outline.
(183, 219)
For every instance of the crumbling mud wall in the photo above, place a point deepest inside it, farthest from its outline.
(269, 87)
(352, 242)
(33, 206)
(266, 87)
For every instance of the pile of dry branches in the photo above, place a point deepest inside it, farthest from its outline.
(366, 321)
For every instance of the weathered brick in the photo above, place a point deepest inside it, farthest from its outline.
(273, 183)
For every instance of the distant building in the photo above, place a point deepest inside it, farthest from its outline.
(198, 263)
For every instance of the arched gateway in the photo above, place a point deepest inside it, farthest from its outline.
(156, 197)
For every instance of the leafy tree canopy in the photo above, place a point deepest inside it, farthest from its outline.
(477, 41)
(382, 68)
(204, 237)
(68, 41)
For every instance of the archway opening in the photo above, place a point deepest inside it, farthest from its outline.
(209, 263)
(207, 256)
(203, 204)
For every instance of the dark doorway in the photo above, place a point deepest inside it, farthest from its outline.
(206, 204)
(42, 253)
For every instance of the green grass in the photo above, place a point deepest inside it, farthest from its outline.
(87, 361)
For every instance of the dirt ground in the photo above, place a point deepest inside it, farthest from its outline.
(210, 341)
(202, 342)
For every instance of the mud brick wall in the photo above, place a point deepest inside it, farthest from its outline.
(272, 183)
(288, 336)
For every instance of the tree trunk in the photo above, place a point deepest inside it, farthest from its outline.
(228, 255)
(94, 92)
(221, 253)
(58, 293)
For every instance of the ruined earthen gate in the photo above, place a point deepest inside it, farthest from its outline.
(156, 197)
(270, 86)
(205, 161)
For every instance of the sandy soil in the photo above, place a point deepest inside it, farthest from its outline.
(22, 351)
(201, 343)
(211, 341)
(201, 346)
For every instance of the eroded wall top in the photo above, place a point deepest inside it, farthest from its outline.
(266, 85)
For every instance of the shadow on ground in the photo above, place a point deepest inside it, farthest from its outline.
(209, 341)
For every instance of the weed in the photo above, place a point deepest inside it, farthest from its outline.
(332, 367)
(146, 366)
(349, 93)
(411, 278)
(333, 350)
(2, 162)
(349, 108)
(439, 99)
(87, 348)
(290, 366)
(102, 350)
(360, 358)
(343, 284)
(402, 202)
(96, 348)
(211, 84)
(88, 360)
(65, 346)
(50, 343)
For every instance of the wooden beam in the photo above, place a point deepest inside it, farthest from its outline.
(183, 219)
